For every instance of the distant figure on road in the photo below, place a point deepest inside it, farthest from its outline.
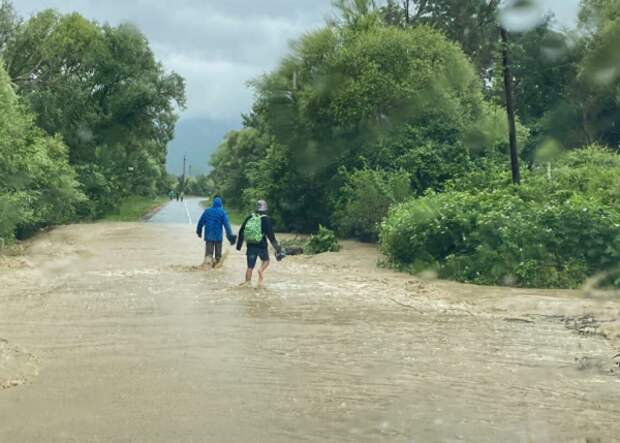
(182, 195)
(213, 222)
(255, 231)
(171, 194)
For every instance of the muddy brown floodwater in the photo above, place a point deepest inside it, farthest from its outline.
(108, 333)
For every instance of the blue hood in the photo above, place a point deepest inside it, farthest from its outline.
(213, 221)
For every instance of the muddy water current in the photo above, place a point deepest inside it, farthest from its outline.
(112, 333)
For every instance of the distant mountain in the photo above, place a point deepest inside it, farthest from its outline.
(197, 138)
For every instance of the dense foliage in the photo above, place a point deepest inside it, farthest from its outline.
(101, 96)
(560, 227)
(355, 96)
(566, 82)
(365, 199)
(37, 184)
(472, 23)
(383, 109)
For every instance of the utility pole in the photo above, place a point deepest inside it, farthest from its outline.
(407, 18)
(512, 130)
(183, 176)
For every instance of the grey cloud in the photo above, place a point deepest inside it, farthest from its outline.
(216, 45)
(219, 45)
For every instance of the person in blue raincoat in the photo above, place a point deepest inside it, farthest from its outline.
(212, 223)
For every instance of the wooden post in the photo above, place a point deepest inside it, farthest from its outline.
(512, 130)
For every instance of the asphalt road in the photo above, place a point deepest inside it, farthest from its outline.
(177, 212)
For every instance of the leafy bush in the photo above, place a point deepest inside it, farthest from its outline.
(549, 232)
(365, 199)
(324, 241)
(38, 187)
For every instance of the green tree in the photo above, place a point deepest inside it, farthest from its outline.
(599, 71)
(357, 93)
(473, 24)
(544, 65)
(37, 185)
(102, 90)
(581, 88)
(9, 23)
(234, 161)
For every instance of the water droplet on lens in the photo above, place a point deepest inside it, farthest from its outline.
(521, 15)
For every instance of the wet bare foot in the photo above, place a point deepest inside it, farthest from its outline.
(245, 284)
(261, 279)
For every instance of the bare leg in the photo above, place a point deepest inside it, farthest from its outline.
(261, 272)
(248, 277)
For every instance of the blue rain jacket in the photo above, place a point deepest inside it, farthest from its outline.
(213, 221)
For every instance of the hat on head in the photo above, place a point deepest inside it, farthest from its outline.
(261, 206)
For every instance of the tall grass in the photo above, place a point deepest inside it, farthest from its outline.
(133, 209)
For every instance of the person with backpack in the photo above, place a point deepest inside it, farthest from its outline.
(213, 221)
(255, 231)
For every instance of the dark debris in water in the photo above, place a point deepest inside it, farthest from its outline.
(518, 320)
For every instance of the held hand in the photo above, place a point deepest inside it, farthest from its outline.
(280, 254)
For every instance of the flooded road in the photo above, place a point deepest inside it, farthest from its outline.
(109, 333)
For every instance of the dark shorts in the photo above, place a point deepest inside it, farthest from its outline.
(214, 246)
(254, 254)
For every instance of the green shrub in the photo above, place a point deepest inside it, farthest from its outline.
(38, 187)
(324, 241)
(365, 199)
(549, 232)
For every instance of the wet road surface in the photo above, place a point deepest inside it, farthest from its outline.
(110, 333)
(179, 212)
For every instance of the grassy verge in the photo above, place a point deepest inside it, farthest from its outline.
(236, 216)
(134, 209)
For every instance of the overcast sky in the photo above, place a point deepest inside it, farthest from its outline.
(218, 45)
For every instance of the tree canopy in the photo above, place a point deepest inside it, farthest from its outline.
(95, 96)
(37, 184)
(357, 94)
